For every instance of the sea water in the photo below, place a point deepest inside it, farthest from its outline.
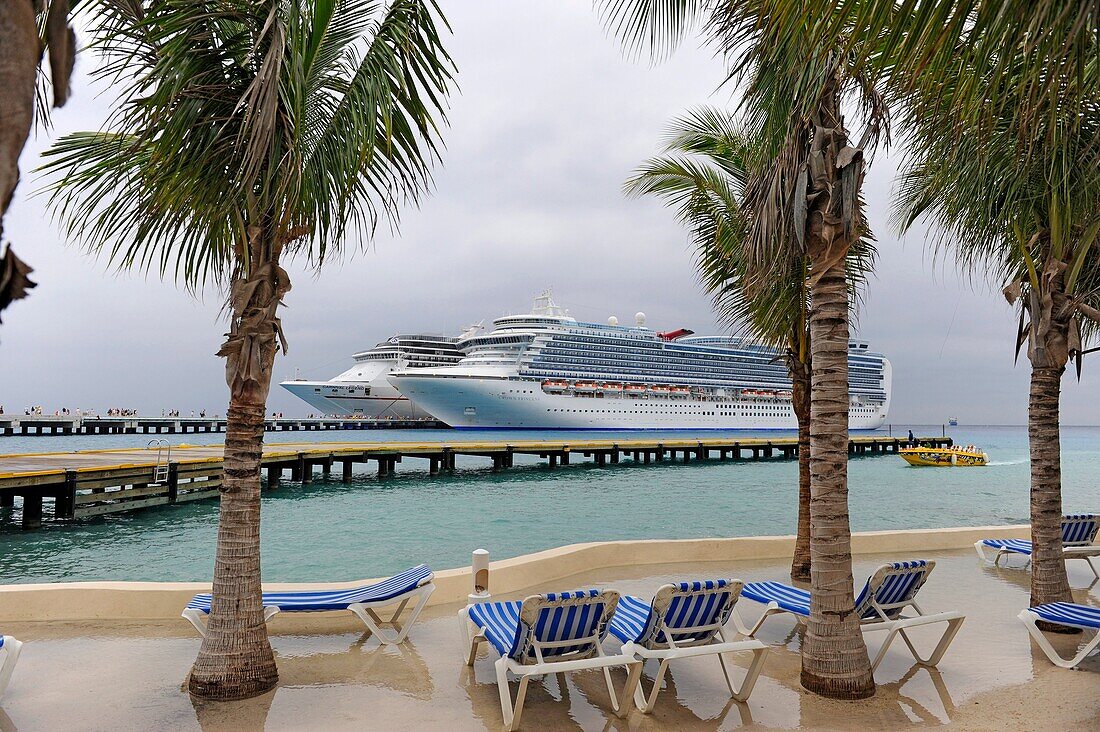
(331, 531)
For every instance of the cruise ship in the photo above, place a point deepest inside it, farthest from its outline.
(546, 370)
(364, 391)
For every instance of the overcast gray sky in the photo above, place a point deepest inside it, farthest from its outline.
(550, 119)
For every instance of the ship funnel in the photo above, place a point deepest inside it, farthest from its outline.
(612, 320)
(639, 319)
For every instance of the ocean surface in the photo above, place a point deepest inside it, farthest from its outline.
(330, 531)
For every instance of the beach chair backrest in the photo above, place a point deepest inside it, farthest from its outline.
(1079, 529)
(564, 624)
(690, 612)
(891, 587)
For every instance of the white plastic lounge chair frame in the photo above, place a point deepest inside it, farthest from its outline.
(1079, 533)
(365, 611)
(532, 662)
(701, 640)
(9, 653)
(886, 615)
(1030, 617)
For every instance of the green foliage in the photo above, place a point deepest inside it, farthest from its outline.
(701, 174)
(280, 122)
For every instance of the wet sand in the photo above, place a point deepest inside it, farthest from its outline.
(126, 676)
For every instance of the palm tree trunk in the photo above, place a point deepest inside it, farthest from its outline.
(19, 55)
(1049, 582)
(236, 660)
(1048, 350)
(800, 400)
(834, 657)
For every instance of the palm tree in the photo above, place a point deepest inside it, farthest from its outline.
(804, 195)
(1028, 213)
(21, 98)
(702, 173)
(245, 133)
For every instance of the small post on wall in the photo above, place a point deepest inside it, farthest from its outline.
(479, 567)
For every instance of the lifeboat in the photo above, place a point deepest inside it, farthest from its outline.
(555, 386)
(660, 389)
(634, 389)
(679, 391)
(943, 457)
(612, 388)
(585, 387)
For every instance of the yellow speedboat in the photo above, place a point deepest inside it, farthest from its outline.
(944, 457)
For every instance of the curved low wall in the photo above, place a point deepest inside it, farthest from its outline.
(74, 601)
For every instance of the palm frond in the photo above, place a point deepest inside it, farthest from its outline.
(239, 121)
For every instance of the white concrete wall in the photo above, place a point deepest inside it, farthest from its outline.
(76, 601)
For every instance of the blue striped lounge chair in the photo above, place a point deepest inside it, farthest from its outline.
(1070, 615)
(415, 583)
(880, 603)
(547, 634)
(684, 620)
(9, 655)
(1078, 542)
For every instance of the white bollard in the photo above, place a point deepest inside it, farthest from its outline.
(479, 567)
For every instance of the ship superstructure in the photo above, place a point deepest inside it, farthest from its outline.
(547, 370)
(364, 390)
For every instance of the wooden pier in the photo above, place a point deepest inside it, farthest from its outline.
(96, 482)
(23, 426)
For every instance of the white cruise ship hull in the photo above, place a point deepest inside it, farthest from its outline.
(351, 399)
(509, 402)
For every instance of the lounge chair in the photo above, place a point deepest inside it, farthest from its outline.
(887, 592)
(683, 621)
(1069, 615)
(399, 590)
(1078, 537)
(9, 649)
(548, 634)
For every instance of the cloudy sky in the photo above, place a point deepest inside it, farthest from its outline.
(550, 119)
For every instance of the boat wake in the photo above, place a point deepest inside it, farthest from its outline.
(995, 463)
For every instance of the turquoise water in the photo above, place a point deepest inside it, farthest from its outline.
(330, 531)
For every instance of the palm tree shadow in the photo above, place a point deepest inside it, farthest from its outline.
(6, 725)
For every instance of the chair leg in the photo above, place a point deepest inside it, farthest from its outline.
(374, 623)
(1092, 566)
(620, 703)
(771, 609)
(978, 548)
(470, 643)
(10, 649)
(511, 714)
(742, 694)
(644, 702)
(937, 653)
(953, 626)
(1029, 619)
(197, 618)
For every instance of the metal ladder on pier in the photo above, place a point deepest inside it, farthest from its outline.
(164, 457)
